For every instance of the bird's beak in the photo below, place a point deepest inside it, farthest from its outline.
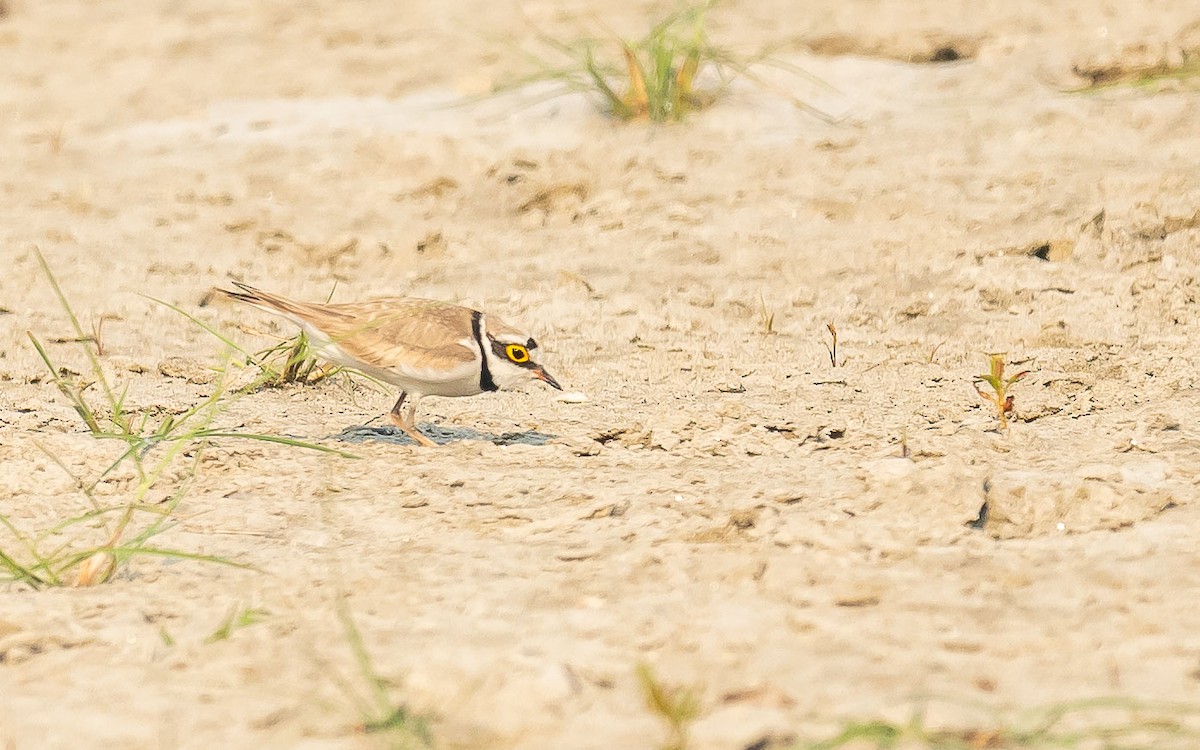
(540, 373)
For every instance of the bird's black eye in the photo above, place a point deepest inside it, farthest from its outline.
(517, 353)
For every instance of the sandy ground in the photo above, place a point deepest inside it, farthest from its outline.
(794, 538)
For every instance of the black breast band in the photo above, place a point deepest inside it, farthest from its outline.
(485, 375)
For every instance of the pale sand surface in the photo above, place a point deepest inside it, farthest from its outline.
(726, 506)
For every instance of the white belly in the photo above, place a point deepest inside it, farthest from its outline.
(461, 381)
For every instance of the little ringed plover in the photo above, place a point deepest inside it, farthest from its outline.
(421, 346)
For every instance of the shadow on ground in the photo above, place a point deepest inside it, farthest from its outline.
(440, 435)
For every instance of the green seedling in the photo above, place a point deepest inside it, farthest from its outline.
(238, 618)
(656, 77)
(1000, 385)
(678, 707)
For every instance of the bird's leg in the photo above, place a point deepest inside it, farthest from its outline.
(405, 418)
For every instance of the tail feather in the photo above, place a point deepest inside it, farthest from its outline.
(265, 300)
(248, 294)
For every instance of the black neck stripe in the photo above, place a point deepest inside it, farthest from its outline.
(485, 375)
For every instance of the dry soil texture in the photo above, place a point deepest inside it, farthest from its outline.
(800, 540)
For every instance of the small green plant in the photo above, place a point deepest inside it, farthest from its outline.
(401, 727)
(299, 363)
(238, 618)
(1123, 723)
(676, 706)
(656, 77)
(1000, 385)
(660, 71)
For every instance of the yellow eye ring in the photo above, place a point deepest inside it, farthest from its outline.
(517, 353)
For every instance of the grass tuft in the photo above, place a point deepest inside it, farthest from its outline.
(656, 78)
(164, 454)
(289, 361)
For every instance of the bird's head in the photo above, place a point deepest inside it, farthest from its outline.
(514, 358)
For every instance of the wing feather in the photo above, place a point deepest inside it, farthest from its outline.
(409, 335)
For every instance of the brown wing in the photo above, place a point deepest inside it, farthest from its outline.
(400, 333)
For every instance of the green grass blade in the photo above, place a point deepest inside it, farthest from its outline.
(383, 716)
(31, 548)
(93, 360)
(615, 104)
(79, 485)
(75, 397)
(126, 552)
(90, 515)
(213, 434)
(225, 339)
(20, 573)
(383, 704)
(882, 734)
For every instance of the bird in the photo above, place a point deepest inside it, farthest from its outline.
(424, 347)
